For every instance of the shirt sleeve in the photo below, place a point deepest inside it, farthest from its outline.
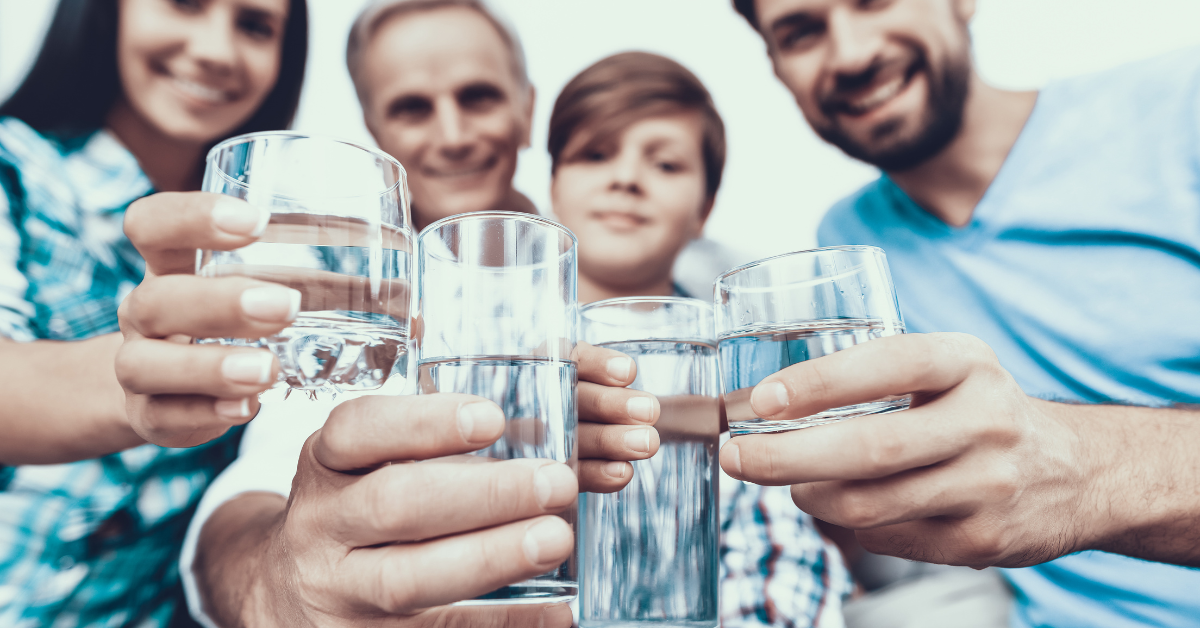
(15, 310)
(266, 461)
(777, 570)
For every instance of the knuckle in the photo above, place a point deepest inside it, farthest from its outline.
(879, 454)
(858, 510)
(396, 587)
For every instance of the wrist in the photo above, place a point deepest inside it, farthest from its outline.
(233, 564)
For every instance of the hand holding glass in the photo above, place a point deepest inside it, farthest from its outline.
(784, 310)
(340, 234)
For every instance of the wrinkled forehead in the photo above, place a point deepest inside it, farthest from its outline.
(774, 13)
(438, 50)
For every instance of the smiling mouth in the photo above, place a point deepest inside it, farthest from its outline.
(622, 221)
(444, 173)
(868, 100)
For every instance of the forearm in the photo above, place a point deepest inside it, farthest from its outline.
(231, 556)
(66, 403)
(1145, 498)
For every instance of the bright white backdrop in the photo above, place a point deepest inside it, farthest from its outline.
(780, 178)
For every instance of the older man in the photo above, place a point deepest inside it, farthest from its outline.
(444, 90)
(1058, 231)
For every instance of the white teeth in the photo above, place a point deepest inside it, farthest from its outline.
(200, 91)
(881, 95)
(457, 173)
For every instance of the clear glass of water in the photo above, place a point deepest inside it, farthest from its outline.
(648, 553)
(784, 310)
(340, 233)
(498, 318)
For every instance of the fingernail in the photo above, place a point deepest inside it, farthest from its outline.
(547, 541)
(480, 422)
(239, 218)
(273, 304)
(615, 470)
(638, 440)
(769, 399)
(555, 486)
(232, 408)
(640, 409)
(731, 459)
(619, 368)
(557, 616)
(248, 367)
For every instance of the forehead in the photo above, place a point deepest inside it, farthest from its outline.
(437, 50)
(769, 11)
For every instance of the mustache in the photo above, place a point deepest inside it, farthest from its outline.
(847, 85)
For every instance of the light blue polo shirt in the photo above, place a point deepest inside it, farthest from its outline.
(1081, 269)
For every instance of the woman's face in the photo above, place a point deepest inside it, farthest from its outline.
(195, 70)
(636, 201)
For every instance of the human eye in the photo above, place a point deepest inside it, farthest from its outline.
(798, 33)
(869, 5)
(479, 97)
(410, 107)
(670, 167)
(256, 24)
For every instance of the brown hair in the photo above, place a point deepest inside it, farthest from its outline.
(617, 91)
(374, 16)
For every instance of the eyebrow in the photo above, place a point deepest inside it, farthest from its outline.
(795, 18)
(256, 10)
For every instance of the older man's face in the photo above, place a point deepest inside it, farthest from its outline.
(441, 96)
(884, 80)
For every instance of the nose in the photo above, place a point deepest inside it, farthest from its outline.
(452, 130)
(626, 172)
(212, 44)
(854, 43)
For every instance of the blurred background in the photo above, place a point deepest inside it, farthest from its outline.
(780, 178)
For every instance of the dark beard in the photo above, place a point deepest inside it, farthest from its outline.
(940, 124)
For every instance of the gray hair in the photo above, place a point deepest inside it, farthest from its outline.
(377, 13)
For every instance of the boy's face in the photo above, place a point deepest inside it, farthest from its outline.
(635, 200)
(884, 80)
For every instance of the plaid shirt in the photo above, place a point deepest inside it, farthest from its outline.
(93, 542)
(776, 569)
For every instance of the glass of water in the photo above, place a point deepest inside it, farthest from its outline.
(649, 551)
(784, 310)
(499, 318)
(340, 233)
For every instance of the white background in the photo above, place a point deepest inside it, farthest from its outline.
(780, 178)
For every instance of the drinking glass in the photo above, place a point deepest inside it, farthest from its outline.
(784, 310)
(339, 232)
(649, 551)
(499, 318)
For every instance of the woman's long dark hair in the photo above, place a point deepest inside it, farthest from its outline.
(74, 81)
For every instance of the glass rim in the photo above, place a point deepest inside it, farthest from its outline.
(247, 138)
(774, 258)
(533, 218)
(635, 300)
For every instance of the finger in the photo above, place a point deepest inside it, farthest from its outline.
(399, 579)
(200, 307)
(601, 403)
(861, 448)
(604, 366)
(187, 420)
(162, 367)
(617, 442)
(500, 616)
(413, 502)
(948, 541)
(909, 496)
(894, 365)
(369, 431)
(604, 476)
(168, 227)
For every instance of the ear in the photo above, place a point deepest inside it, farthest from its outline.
(527, 117)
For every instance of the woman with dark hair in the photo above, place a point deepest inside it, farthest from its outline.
(124, 100)
(637, 149)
